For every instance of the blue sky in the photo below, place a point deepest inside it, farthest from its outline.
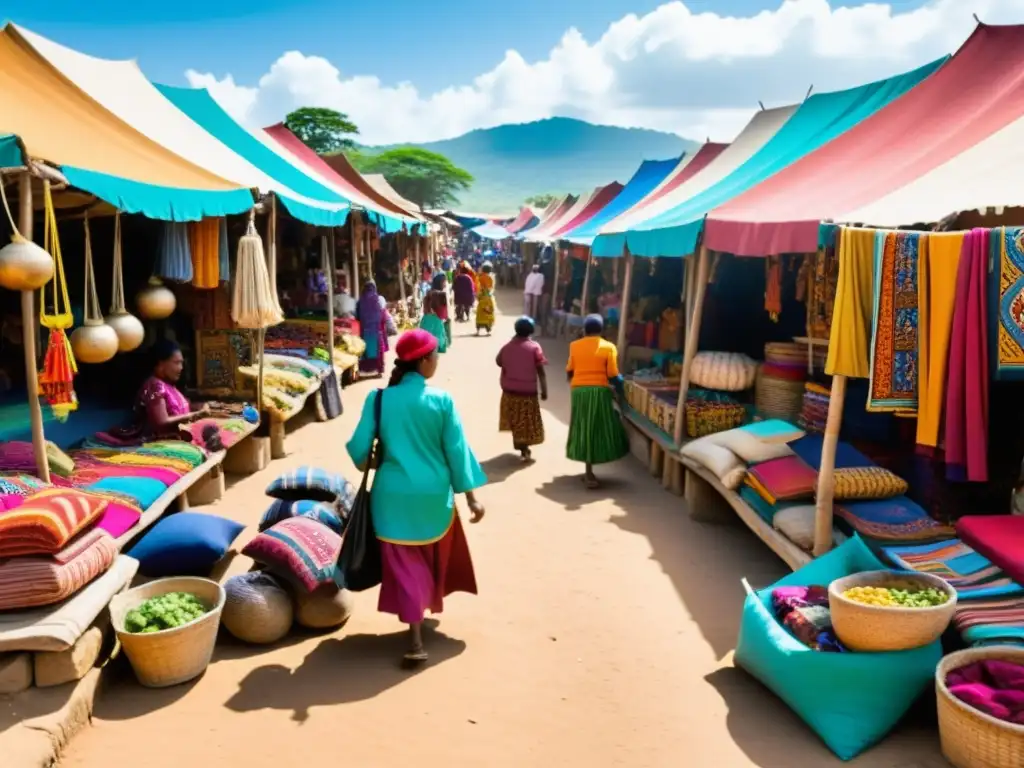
(414, 70)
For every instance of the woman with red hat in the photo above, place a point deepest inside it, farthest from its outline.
(423, 461)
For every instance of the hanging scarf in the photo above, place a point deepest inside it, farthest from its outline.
(174, 256)
(204, 240)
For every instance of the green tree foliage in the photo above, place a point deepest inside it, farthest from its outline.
(426, 178)
(542, 201)
(322, 130)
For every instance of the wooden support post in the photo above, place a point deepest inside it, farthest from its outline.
(28, 336)
(369, 252)
(627, 287)
(353, 282)
(417, 270)
(277, 435)
(327, 249)
(586, 288)
(400, 244)
(272, 246)
(826, 472)
(556, 255)
(692, 340)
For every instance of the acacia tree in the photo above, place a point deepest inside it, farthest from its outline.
(426, 178)
(322, 130)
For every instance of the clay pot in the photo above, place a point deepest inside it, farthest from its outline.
(155, 301)
(129, 330)
(94, 342)
(24, 266)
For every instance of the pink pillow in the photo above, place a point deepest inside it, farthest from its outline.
(299, 549)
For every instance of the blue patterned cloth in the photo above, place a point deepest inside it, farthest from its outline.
(310, 483)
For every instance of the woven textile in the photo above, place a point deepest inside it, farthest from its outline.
(1008, 295)
(973, 575)
(311, 483)
(894, 346)
(29, 582)
(896, 519)
(299, 549)
(280, 509)
(867, 483)
(785, 479)
(47, 520)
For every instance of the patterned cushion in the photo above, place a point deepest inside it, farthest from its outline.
(299, 549)
(30, 582)
(774, 431)
(310, 483)
(185, 544)
(47, 521)
(797, 524)
(750, 448)
(868, 483)
(725, 371)
(281, 509)
(786, 479)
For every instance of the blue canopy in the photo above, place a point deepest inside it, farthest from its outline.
(491, 231)
(821, 118)
(208, 114)
(649, 175)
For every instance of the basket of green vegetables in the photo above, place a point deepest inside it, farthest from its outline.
(168, 628)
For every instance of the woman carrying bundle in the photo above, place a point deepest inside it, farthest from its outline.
(596, 435)
(373, 322)
(424, 461)
(485, 299)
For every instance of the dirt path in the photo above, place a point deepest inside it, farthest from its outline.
(603, 635)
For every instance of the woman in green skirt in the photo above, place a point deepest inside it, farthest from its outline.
(596, 435)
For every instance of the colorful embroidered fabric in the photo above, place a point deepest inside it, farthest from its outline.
(973, 575)
(785, 479)
(30, 582)
(1008, 282)
(896, 519)
(47, 520)
(804, 612)
(894, 346)
(867, 483)
(299, 549)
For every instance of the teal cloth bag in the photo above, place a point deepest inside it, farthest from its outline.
(851, 700)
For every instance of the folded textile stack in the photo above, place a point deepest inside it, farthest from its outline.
(785, 360)
(780, 380)
(973, 575)
(815, 408)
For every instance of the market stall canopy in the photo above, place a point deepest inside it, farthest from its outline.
(491, 231)
(98, 152)
(527, 217)
(258, 149)
(11, 155)
(122, 89)
(648, 176)
(686, 183)
(946, 146)
(820, 119)
(557, 211)
(600, 198)
(379, 183)
(343, 177)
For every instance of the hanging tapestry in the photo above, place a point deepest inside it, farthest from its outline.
(1009, 277)
(894, 345)
(204, 242)
(174, 254)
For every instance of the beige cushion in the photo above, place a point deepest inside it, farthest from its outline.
(733, 479)
(797, 525)
(749, 448)
(726, 371)
(716, 459)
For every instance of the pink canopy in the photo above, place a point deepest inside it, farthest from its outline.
(977, 93)
(598, 200)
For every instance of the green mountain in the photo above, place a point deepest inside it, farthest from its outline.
(513, 162)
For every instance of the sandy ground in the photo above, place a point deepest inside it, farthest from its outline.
(603, 634)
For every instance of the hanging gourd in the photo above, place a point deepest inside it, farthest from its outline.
(127, 326)
(155, 301)
(94, 341)
(253, 302)
(24, 266)
(56, 380)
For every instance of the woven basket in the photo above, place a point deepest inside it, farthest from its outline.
(778, 398)
(173, 656)
(863, 627)
(710, 413)
(972, 739)
(326, 607)
(257, 609)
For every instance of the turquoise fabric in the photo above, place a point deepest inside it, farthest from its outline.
(851, 700)
(819, 120)
(435, 326)
(157, 202)
(145, 490)
(774, 430)
(10, 151)
(426, 461)
(649, 175)
(208, 114)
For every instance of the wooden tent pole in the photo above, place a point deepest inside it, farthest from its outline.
(353, 281)
(328, 260)
(586, 287)
(556, 255)
(400, 246)
(272, 250)
(369, 252)
(627, 287)
(826, 472)
(417, 269)
(692, 340)
(28, 336)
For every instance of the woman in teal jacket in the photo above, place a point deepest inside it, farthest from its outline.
(424, 462)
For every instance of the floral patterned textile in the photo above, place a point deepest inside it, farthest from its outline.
(894, 348)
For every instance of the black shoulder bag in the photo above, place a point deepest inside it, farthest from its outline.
(359, 562)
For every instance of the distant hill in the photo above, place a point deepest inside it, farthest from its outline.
(513, 162)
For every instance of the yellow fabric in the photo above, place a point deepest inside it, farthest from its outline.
(867, 483)
(204, 242)
(592, 361)
(60, 123)
(850, 342)
(936, 289)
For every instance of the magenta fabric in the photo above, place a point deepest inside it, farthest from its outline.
(923, 129)
(600, 199)
(10, 501)
(519, 360)
(417, 578)
(17, 456)
(992, 686)
(89, 470)
(967, 381)
(117, 519)
(1000, 538)
(157, 390)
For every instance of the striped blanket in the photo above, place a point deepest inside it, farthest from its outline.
(973, 575)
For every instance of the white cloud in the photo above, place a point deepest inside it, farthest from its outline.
(698, 74)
